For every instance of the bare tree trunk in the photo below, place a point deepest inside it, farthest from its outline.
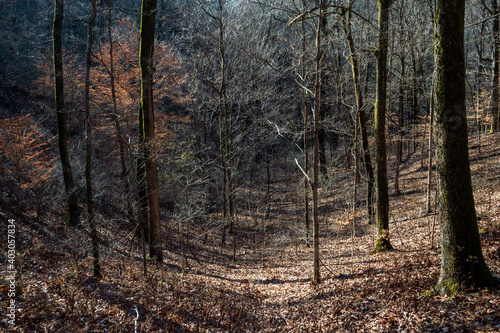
(462, 262)
(88, 140)
(268, 181)
(496, 66)
(147, 131)
(124, 174)
(382, 190)
(140, 178)
(316, 162)
(62, 136)
(141, 174)
(346, 25)
(322, 112)
(429, 165)
(356, 177)
(229, 152)
(399, 145)
(224, 126)
(414, 100)
(222, 150)
(305, 114)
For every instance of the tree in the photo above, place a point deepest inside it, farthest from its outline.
(88, 139)
(305, 116)
(225, 124)
(399, 144)
(25, 155)
(316, 155)
(361, 114)
(382, 190)
(62, 135)
(428, 208)
(324, 106)
(496, 66)
(124, 175)
(146, 160)
(462, 262)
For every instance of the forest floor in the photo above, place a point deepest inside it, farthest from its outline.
(268, 287)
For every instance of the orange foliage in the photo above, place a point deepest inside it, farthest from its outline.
(167, 89)
(24, 148)
(168, 80)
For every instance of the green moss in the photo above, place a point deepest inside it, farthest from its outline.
(451, 288)
(383, 245)
(431, 292)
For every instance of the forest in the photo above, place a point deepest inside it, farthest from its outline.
(250, 166)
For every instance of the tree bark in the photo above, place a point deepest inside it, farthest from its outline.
(88, 139)
(124, 174)
(414, 100)
(224, 127)
(324, 107)
(462, 262)
(305, 115)
(361, 115)
(147, 124)
(62, 136)
(399, 145)
(268, 181)
(382, 190)
(496, 67)
(140, 179)
(316, 160)
(428, 209)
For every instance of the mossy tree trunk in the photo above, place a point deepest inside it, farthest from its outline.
(62, 136)
(462, 262)
(88, 144)
(147, 124)
(382, 189)
(361, 115)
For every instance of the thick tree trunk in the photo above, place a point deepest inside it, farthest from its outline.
(361, 115)
(382, 189)
(462, 262)
(88, 140)
(147, 124)
(62, 136)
